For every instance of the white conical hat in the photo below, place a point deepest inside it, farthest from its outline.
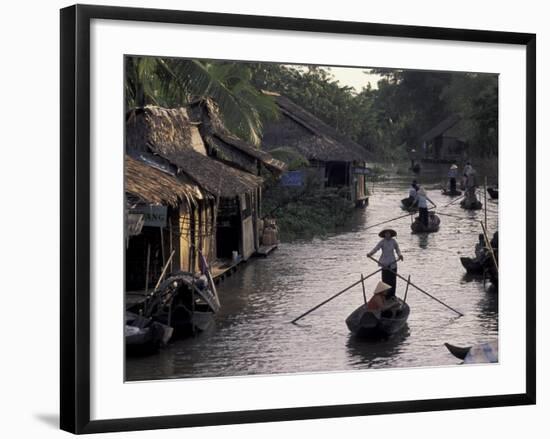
(381, 287)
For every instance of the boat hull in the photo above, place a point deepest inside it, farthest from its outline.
(433, 224)
(493, 193)
(451, 193)
(472, 266)
(366, 324)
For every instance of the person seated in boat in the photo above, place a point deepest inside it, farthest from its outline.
(481, 249)
(421, 200)
(388, 259)
(378, 302)
(452, 174)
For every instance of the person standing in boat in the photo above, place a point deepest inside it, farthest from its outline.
(421, 201)
(412, 193)
(452, 174)
(468, 169)
(388, 260)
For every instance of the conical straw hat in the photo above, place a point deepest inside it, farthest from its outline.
(381, 287)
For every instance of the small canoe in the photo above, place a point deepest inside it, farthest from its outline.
(433, 224)
(493, 192)
(471, 205)
(406, 205)
(472, 266)
(481, 353)
(143, 335)
(369, 324)
(451, 193)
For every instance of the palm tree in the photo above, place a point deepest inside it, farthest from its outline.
(175, 82)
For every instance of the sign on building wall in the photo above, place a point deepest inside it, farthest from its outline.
(292, 178)
(361, 171)
(153, 216)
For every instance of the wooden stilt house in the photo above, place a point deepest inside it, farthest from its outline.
(338, 161)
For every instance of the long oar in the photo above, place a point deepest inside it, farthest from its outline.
(393, 219)
(454, 201)
(335, 296)
(419, 289)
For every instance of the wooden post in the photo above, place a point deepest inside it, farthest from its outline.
(162, 246)
(363, 285)
(147, 267)
(170, 231)
(485, 199)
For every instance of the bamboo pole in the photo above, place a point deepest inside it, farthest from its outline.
(334, 296)
(454, 201)
(393, 219)
(420, 289)
(485, 199)
(164, 269)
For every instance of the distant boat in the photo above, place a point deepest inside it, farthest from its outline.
(450, 193)
(481, 353)
(471, 204)
(472, 266)
(369, 324)
(433, 224)
(406, 204)
(493, 192)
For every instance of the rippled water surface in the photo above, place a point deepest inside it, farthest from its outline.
(252, 334)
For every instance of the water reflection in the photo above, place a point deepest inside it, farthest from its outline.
(253, 335)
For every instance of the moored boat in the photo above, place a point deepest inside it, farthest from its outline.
(374, 324)
(433, 224)
(184, 302)
(143, 335)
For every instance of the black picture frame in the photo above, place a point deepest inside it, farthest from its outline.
(75, 217)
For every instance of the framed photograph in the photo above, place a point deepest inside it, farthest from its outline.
(272, 218)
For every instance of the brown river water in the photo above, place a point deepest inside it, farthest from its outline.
(252, 333)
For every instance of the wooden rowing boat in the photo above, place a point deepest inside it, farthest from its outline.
(450, 193)
(472, 266)
(471, 204)
(406, 204)
(493, 192)
(481, 353)
(375, 324)
(433, 224)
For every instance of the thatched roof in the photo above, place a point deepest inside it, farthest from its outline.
(440, 128)
(214, 131)
(217, 178)
(170, 134)
(152, 185)
(324, 143)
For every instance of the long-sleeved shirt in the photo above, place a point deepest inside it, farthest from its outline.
(412, 192)
(388, 246)
(421, 200)
(452, 173)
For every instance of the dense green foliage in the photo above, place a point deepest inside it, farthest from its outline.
(173, 82)
(390, 118)
(306, 212)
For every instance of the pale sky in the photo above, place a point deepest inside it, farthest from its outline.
(355, 77)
